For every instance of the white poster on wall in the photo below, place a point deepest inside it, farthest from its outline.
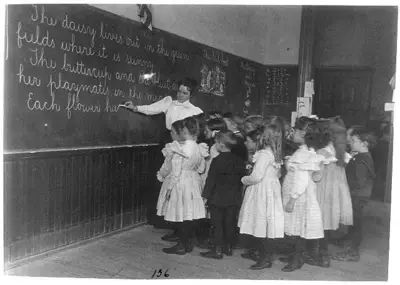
(303, 106)
(309, 89)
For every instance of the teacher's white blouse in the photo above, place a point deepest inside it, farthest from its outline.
(174, 110)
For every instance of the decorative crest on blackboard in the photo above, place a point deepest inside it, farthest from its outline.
(145, 16)
(213, 80)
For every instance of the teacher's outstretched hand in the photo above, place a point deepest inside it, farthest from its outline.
(129, 105)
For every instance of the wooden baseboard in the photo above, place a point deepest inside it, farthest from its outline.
(45, 254)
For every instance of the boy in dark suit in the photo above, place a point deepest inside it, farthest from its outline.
(222, 194)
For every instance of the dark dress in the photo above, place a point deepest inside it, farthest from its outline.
(223, 193)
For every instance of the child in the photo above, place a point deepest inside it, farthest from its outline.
(333, 193)
(360, 175)
(239, 149)
(183, 203)
(222, 193)
(174, 109)
(166, 168)
(302, 212)
(251, 142)
(261, 214)
(251, 123)
(212, 127)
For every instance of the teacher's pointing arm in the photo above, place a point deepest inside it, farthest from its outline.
(152, 109)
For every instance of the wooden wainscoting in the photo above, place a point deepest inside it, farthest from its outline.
(54, 199)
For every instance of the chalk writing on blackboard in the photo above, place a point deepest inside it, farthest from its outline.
(276, 86)
(71, 64)
(249, 84)
(216, 56)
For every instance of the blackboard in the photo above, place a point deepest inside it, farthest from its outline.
(67, 67)
(280, 84)
(279, 90)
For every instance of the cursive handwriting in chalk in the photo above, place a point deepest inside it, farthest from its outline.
(216, 56)
(118, 93)
(36, 38)
(27, 79)
(79, 28)
(116, 57)
(105, 35)
(128, 77)
(110, 108)
(149, 48)
(75, 105)
(133, 42)
(78, 49)
(79, 68)
(175, 54)
(137, 61)
(161, 49)
(35, 104)
(43, 18)
(55, 84)
(41, 60)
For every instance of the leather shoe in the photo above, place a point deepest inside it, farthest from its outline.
(227, 250)
(178, 249)
(171, 237)
(262, 264)
(216, 253)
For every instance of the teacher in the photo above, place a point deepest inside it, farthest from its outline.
(174, 110)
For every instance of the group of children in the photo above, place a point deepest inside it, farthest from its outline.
(323, 186)
(269, 181)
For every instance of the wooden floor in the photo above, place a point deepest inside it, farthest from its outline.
(137, 253)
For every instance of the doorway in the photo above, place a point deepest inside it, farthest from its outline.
(344, 92)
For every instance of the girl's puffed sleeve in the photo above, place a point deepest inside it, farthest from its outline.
(204, 154)
(301, 182)
(262, 161)
(176, 163)
(165, 169)
(303, 162)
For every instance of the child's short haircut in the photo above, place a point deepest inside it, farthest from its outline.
(217, 124)
(314, 137)
(364, 135)
(192, 125)
(306, 124)
(252, 123)
(190, 83)
(227, 138)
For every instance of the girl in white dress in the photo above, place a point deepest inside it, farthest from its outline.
(261, 214)
(183, 202)
(303, 218)
(164, 173)
(333, 193)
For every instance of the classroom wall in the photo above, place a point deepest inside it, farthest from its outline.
(60, 198)
(266, 34)
(360, 36)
